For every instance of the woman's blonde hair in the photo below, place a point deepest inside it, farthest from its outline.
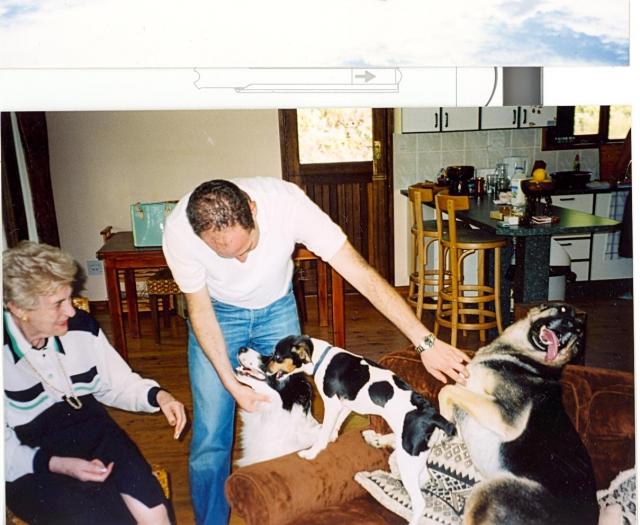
(31, 270)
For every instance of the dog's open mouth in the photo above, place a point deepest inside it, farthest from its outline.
(554, 337)
(251, 372)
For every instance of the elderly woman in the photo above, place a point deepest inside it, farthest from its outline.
(66, 460)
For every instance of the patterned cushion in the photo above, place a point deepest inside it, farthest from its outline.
(162, 283)
(451, 476)
(618, 502)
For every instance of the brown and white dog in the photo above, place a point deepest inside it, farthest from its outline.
(349, 382)
(510, 415)
(280, 426)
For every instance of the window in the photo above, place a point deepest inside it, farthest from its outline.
(335, 135)
(587, 127)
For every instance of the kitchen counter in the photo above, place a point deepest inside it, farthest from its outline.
(571, 221)
(532, 246)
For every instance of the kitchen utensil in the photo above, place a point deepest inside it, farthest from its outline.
(458, 178)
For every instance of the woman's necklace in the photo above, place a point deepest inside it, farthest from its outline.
(71, 399)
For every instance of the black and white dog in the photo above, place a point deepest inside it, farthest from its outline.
(284, 424)
(349, 382)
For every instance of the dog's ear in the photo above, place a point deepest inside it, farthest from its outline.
(303, 347)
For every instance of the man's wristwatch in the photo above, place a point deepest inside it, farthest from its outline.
(427, 343)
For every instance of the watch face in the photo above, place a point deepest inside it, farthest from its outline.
(427, 343)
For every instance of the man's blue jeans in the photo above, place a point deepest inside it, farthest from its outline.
(213, 406)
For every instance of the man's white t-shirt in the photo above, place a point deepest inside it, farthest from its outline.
(284, 215)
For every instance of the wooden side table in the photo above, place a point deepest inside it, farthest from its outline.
(119, 254)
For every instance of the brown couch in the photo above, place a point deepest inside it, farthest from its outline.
(290, 490)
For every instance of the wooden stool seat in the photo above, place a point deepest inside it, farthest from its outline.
(161, 285)
(469, 239)
(463, 306)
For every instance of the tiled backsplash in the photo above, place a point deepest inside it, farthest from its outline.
(419, 156)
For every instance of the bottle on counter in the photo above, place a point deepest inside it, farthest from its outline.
(517, 195)
(576, 162)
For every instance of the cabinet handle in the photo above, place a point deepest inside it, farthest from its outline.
(565, 243)
(435, 125)
(524, 118)
(515, 117)
(446, 119)
(565, 199)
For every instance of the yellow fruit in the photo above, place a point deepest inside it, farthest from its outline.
(539, 175)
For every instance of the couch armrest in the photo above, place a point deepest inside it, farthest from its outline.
(278, 491)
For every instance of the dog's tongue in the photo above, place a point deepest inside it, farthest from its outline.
(549, 338)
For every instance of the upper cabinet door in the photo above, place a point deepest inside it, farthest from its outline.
(420, 120)
(499, 117)
(459, 119)
(537, 116)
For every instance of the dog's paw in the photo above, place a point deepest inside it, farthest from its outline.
(372, 438)
(376, 440)
(309, 453)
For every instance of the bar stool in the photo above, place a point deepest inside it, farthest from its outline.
(161, 285)
(423, 280)
(459, 303)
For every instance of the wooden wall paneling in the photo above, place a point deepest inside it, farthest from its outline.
(14, 215)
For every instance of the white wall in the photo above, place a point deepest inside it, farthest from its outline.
(101, 162)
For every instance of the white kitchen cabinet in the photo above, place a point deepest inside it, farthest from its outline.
(458, 119)
(580, 202)
(605, 262)
(578, 247)
(430, 120)
(537, 116)
(581, 269)
(500, 117)
(420, 120)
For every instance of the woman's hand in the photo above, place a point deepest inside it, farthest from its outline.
(81, 469)
(445, 359)
(173, 410)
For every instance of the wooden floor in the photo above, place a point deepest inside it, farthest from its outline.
(609, 345)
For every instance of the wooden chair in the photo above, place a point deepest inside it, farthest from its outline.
(424, 276)
(301, 255)
(465, 306)
(161, 286)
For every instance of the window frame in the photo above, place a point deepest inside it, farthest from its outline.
(565, 120)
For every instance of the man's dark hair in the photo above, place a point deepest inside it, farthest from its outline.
(219, 204)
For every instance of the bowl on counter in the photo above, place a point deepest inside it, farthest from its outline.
(532, 188)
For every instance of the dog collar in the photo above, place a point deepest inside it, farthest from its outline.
(324, 354)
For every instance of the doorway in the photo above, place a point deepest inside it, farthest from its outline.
(342, 159)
